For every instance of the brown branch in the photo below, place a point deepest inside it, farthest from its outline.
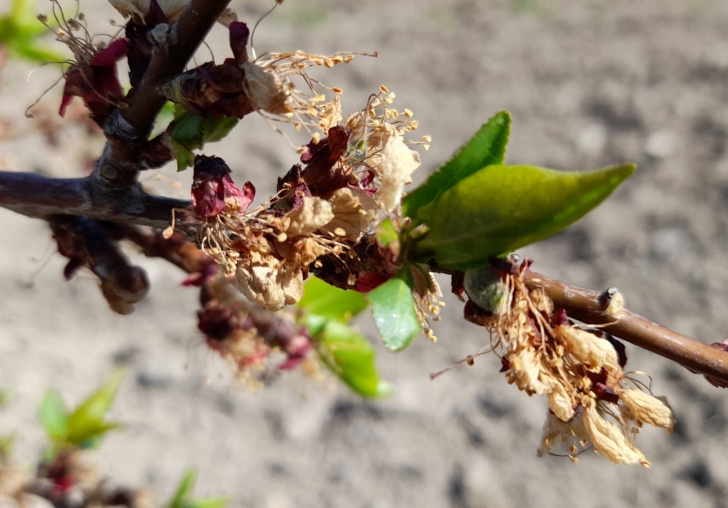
(41, 197)
(112, 192)
(591, 307)
(127, 130)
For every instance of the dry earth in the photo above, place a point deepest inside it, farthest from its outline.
(589, 83)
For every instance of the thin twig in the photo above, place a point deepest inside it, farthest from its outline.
(591, 307)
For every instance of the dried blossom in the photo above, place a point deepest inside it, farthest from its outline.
(324, 210)
(590, 400)
(92, 74)
(213, 190)
(246, 336)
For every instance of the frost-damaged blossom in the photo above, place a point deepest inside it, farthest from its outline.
(248, 337)
(592, 401)
(324, 213)
(92, 75)
(239, 86)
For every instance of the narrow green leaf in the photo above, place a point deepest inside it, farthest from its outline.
(53, 416)
(331, 302)
(502, 208)
(181, 498)
(88, 419)
(485, 148)
(38, 54)
(184, 489)
(88, 433)
(350, 356)
(393, 308)
(23, 12)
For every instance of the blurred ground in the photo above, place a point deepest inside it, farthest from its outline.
(589, 83)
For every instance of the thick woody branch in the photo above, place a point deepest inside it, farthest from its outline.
(593, 307)
(42, 197)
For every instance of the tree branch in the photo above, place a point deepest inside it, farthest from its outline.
(112, 192)
(41, 197)
(127, 131)
(591, 307)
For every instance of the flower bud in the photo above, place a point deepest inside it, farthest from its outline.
(486, 290)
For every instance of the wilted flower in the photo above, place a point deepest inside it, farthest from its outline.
(213, 191)
(578, 370)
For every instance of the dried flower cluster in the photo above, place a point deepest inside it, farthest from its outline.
(247, 337)
(592, 401)
(325, 207)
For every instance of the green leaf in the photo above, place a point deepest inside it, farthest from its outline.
(350, 356)
(217, 127)
(88, 420)
(393, 308)
(502, 208)
(184, 491)
(191, 131)
(53, 416)
(212, 502)
(187, 130)
(330, 302)
(386, 234)
(185, 158)
(23, 12)
(485, 148)
(20, 31)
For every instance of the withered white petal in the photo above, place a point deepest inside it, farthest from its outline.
(398, 162)
(609, 440)
(648, 409)
(309, 217)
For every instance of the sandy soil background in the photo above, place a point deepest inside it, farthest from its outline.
(589, 83)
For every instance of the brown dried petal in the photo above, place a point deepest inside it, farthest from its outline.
(556, 431)
(270, 288)
(609, 440)
(265, 90)
(561, 402)
(648, 409)
(354, 212)
(309, 217)
(526, 369)
(590, 350)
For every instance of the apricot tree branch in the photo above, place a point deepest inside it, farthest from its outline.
(41, 197)
(127, 131)
(593, 307)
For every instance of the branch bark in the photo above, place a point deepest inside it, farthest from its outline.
(112, 192)
(591, 307)
(41, 197)
(127, 131)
